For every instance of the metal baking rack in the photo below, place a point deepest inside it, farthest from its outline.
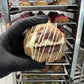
(79, 74)
(66, 23)
(50, 7)
(69, 63)
(43, 80)
(69, 23)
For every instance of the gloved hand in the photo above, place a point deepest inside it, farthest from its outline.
(12, 56)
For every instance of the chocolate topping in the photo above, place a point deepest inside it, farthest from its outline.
(46, 37)
(56, 48)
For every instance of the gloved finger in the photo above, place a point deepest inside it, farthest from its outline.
(25, 63)
(11, 63)
(18, 27)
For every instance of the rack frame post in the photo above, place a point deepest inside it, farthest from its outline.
(77, 42)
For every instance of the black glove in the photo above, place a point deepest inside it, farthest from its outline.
(12, 56)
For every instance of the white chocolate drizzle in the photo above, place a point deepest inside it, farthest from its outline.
(32, 44)
(54, 44)
(34, 53)
(39, 41)
(52, 40)
(48, 38)
(60, 48)
(28, 39)
(30, 33)
(42, 41)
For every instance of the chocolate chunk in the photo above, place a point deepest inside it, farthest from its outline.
(45, 38)
(56, 48)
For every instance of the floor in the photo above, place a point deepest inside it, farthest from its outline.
(7, 80)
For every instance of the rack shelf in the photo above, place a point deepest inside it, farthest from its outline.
(43, 80)
(69, 23)
(64, 62)
(78, 76)
(37, 72)
(48, 7)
